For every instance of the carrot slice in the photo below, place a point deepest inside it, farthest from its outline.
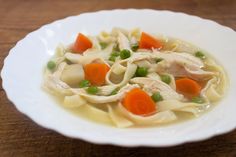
(148, 42)
(96, 73)
(188, 87)
(139, 102)
(81, 44)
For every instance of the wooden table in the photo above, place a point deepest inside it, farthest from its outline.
(21, 137)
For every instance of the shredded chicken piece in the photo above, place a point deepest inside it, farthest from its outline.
(182, 65)
(123, 41)
(53, 83)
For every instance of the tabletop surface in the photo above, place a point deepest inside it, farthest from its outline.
(21, 137)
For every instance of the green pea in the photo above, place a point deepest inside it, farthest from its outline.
(103, 45)
(166, 79)
(156, 97)
(92, 90)
(159, 60)
(134, 47)
(198, 100)
(125, 54)
(84, 83)
(51, 65)
(141, 72)
(115, 91)
(112, 58)
(200, 55)
(115, 54)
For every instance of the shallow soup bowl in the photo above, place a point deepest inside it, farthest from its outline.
(22, 76)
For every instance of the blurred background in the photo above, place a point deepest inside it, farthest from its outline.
(21, 137)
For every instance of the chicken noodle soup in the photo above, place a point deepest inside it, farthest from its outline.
(132, 78)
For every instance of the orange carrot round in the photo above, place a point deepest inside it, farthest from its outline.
(139, 102)
(82, 43)
(188, 87)
(96, 73)
(148, 42)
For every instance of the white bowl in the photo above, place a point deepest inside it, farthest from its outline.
(22, 76)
